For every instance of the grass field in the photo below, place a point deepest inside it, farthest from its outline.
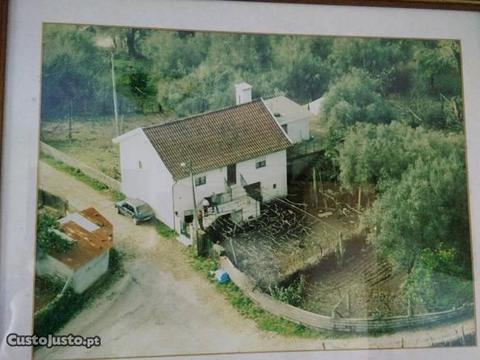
(91, 139)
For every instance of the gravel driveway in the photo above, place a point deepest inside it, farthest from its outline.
(163, 307)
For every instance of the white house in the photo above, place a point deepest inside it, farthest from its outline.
(91, 236)
(292, 117)
(237, 155)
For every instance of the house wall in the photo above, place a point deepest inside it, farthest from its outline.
(145, 177)
(49, 266)
(90, 272)
(275, 172)
(183, 197)
(298, 130)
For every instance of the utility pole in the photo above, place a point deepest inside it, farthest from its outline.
(195, 211)
(195, 218)
(70, 122)
(114, 89)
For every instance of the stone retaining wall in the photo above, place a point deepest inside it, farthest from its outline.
(322, 322)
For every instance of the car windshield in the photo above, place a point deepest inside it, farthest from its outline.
(142, 209)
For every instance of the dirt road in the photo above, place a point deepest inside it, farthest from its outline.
(163, 307)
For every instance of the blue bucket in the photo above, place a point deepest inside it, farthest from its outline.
(222, 276)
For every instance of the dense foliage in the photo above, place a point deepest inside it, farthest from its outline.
(420, 217)
(47, 239)
(371, 80)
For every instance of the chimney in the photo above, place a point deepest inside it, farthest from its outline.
(243, 93)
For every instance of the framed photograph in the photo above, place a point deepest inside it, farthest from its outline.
(240, 179)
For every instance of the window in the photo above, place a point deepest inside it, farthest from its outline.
(285, 128)
(274, 186)
(260, 163)
(200, 180)
(140, 165)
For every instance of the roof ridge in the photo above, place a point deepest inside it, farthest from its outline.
(204, 113)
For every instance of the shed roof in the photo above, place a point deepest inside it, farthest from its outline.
(216, 139)
(286, 110)
(92, 234)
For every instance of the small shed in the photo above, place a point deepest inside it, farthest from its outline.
(87, 260)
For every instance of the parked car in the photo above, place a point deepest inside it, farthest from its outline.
(138, 210)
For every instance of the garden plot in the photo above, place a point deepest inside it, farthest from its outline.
(282, 241)
(359, 285)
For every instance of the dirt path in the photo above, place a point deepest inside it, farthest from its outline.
(163, 307)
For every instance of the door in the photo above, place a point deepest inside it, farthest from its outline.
(232, 174)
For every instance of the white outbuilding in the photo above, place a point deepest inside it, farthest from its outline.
(292, 117)
(91, 236)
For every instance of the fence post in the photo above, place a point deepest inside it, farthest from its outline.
(348, 303)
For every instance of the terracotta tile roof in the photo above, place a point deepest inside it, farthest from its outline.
(217, 138)
(88, 244)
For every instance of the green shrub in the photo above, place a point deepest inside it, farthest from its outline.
(436, 283)
(291, 294)
(47, 239)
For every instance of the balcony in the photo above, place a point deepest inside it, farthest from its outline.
(235, 203)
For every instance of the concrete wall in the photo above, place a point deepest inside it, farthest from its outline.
(66, 159)
(49, 266)
(46, 198)
(145, 177)
(90, 272)
(298, 130)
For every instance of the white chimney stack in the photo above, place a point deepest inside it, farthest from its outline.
(243, 93)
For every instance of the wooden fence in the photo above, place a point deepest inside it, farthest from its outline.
(322, 322)
(87, 170)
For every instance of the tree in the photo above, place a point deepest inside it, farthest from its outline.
(354, 98)
(425, 209)
(379, 154)
(298, 71)
(67, 83)
(439, 67)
